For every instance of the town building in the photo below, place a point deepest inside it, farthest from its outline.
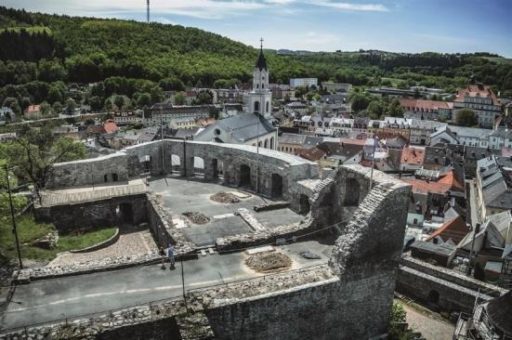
(33, 112)
(426, 109)
(493, 195)
(253, 128)
(480, 99)
(303, 82)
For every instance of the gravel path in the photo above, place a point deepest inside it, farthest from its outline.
(133, 243)
(431, 326)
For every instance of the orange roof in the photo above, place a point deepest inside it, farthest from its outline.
(442, 186)
(110, 126)
(450, 179)
(454, 229)
(33, 108)
(353, 141)
(422, 104)
(476, 91)
(411, 155)
(312, 154)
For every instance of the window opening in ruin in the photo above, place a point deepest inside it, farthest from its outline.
(245, 176)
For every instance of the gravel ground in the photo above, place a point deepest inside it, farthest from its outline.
(431, 325)
(133, 243)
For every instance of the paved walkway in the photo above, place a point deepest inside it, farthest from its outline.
(431, 326)
(132, 243)
(54, 299)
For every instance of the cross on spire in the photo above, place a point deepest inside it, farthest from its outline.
(261, 43)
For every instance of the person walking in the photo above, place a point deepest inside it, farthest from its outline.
(171, 256)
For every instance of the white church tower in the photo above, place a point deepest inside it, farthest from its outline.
(260, 98)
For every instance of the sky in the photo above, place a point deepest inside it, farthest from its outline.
(321, 25)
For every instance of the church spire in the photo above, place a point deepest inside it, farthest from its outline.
(261, 64)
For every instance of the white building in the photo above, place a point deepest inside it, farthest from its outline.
(303, 82)
(260, 98)
(253, 128)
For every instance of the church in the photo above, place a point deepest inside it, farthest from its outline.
(253, 127)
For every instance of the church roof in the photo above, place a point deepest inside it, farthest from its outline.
(242, 127)
(262, 62)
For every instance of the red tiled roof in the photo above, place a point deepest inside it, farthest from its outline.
(445, 184)
(312, 154)
(476, 91)
(422, 104)
(454, 229)
(411, 155)
(110, 126)
(33, 108)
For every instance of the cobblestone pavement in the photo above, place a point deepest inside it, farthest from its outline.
(137, 242)
(431, 326)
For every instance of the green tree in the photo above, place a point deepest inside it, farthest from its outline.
(466, 117)
(204, 97)
(13, 104)
(46, 109)
(34, 154)
(359, 102)
(179, 98)
(57, 108)
(70, 106)
(395, 109)
(171, 84)
(375, 109)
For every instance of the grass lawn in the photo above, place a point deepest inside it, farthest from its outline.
(29, 231)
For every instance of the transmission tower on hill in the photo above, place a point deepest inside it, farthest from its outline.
(147, 11)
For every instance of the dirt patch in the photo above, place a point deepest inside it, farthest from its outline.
(196, 217)
(268, 262)
(224, 197)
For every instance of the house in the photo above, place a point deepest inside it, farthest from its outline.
(296, 108)
(110, 126)
(6, 115)
(303, 82)
(336, 87)
(291, 143)
(493, 194)
(33, 112)
(443, 135)
(421, 130)
(424, 109)
(165, 112)
(471, 136)
(412, 158)
(490, 320)
(482, 100)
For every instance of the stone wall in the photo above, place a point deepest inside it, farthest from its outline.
(441, 288)
(96, 214)
(268, 172)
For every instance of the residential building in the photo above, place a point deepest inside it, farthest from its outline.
(6, 115)
(296, 108)
(33, 112)
(491, 320)
(421, 130)
(426, 109)
(166, 112)
(303, 82)
(336, 87)
(493, 195)
(412, 158)
(482, 100)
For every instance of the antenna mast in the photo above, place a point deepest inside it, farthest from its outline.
(147, 11)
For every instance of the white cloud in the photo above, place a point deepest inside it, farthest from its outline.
(204, 9)
(351, 7)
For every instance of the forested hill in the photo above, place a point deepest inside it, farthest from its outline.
(51, 48)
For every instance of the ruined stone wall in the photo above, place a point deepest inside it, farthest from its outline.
(220, 161)
(92, 214)
(441, 288)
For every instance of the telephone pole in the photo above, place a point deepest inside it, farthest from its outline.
(13, 217)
